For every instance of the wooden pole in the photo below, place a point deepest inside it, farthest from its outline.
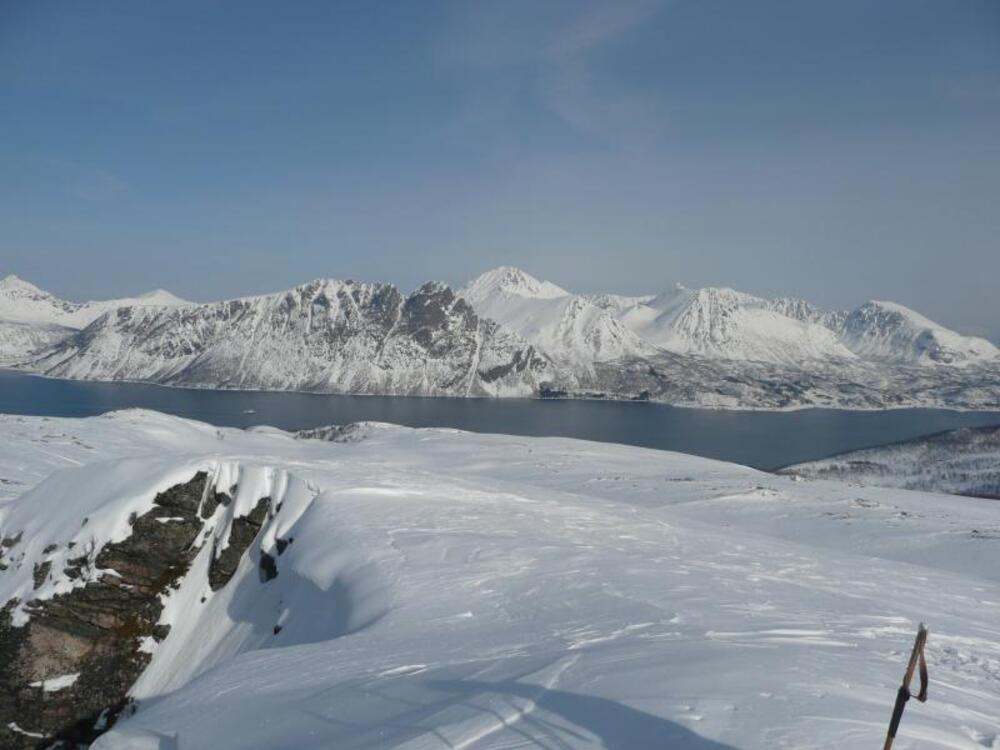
(903, 694)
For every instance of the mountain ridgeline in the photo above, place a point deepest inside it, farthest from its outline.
(325, 336)
(507, 334)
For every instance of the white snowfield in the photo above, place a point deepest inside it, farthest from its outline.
(454, 590)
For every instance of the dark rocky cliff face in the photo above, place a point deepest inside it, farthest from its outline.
(96, 631)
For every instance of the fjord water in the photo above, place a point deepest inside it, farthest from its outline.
(765, 440)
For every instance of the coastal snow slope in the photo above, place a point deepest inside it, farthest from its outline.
(965, 461)
(444, 589)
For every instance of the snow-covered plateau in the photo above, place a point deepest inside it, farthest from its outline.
(509, 334)
(374, 586)
(964, 461)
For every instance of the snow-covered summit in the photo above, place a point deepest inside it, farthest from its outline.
(568, 327)
(161, 297)
(512, 282)
(11, 283)
(23, 302)
(890, 331)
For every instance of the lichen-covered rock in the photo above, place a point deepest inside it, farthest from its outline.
(95, 631)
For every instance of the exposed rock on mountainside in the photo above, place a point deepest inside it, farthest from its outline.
(69, 667)
(327, 336)
(965, 461)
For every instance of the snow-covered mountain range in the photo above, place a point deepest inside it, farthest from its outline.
(507, 333)
(169, 584)
(716, 323)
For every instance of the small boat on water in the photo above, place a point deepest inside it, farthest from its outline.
(249, 411)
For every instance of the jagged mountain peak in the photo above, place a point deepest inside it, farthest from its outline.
(433, 287)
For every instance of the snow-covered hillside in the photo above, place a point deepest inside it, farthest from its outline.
(570, 328)
(32, 319)
(328, 336)
(890, 332)
(725, 324)
(395, 588)
(965, 461)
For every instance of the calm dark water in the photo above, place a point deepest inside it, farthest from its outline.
(765, 440)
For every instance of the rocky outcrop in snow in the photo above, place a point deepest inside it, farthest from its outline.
(95, 602)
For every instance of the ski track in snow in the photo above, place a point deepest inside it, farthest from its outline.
(450, 590)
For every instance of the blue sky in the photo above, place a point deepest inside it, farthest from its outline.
(837, 151)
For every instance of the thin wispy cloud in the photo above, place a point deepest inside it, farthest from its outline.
(66, 177)
(556, 57)
(599, 23)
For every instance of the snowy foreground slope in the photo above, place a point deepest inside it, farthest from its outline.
(437, 589)
(965, 461)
